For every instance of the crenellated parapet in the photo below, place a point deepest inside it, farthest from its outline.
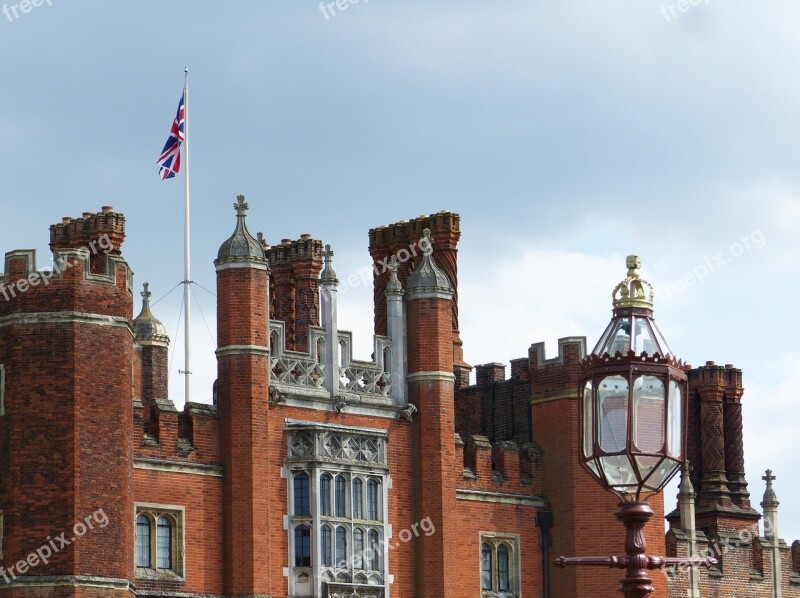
(161, 432)
(559, 376)
(501, 467)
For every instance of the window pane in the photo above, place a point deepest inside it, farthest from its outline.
(358, 549)
(374, 551)
(327, 547)
(325, 495)
(341, 496)
(648, 409)
(341, 547)
(486, 567)
(612, 399)
(358, 498)
(675, 437)
(302, 505)
(164, 544)
(588, 418)
(372, 500)
(302, 546)
(502, 569)
(142, 541)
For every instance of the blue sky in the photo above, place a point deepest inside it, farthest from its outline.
(567, 134)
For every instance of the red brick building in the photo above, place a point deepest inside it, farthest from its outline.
(314, 473)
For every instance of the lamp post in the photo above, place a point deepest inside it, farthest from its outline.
(632, 407)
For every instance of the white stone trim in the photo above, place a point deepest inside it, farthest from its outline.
(68, 580)
(244, 264)
(243, 350)
(505, 498)
(432, 377)
(65, 317)
(214, 471)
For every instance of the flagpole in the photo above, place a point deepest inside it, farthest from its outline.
(186, 246)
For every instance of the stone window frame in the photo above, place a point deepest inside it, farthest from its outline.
(494, 540)
(176, 514)
(316, 465)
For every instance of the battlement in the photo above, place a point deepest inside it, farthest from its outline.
(501, 466)
(87, 274)
(73, 233)
(163, 433)
(560, 375)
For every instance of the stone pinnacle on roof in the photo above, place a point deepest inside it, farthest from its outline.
(146, 326)
(241, 245)
(328, 275)
(428, 277)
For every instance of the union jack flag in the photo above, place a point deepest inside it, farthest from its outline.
(170, 160)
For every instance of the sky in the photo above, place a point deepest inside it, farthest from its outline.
(566, 133)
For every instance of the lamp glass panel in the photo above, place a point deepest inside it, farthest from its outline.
(648, 409)
(664, 349)
(664, 472)
(643, 338)
(675, 423)
(646, 464)
(612, 424)
(620, 338)
(618, 472)
(588, 437)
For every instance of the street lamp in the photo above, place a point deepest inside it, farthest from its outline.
(632, 407)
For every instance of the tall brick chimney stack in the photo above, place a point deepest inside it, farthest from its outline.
(403, 240)
(431, 386)
(294, 287)
(66, 446)
(243, 388)
(716, 448)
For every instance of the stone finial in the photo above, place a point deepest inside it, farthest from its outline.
(147, 328)
(241, 206)
(146, 294)
(328, 274)
(685, 487)
(428, 277)
(241, 245)
(770, 499)
(393, 286)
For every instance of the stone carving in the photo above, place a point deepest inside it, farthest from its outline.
(334, 446)
(408, 413)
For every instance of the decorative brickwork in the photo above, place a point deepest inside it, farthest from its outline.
(88, 425)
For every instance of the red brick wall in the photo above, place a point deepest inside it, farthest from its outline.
(202, 498)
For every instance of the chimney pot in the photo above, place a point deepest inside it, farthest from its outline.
(108, 209)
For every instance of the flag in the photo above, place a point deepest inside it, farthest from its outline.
(170, 160)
